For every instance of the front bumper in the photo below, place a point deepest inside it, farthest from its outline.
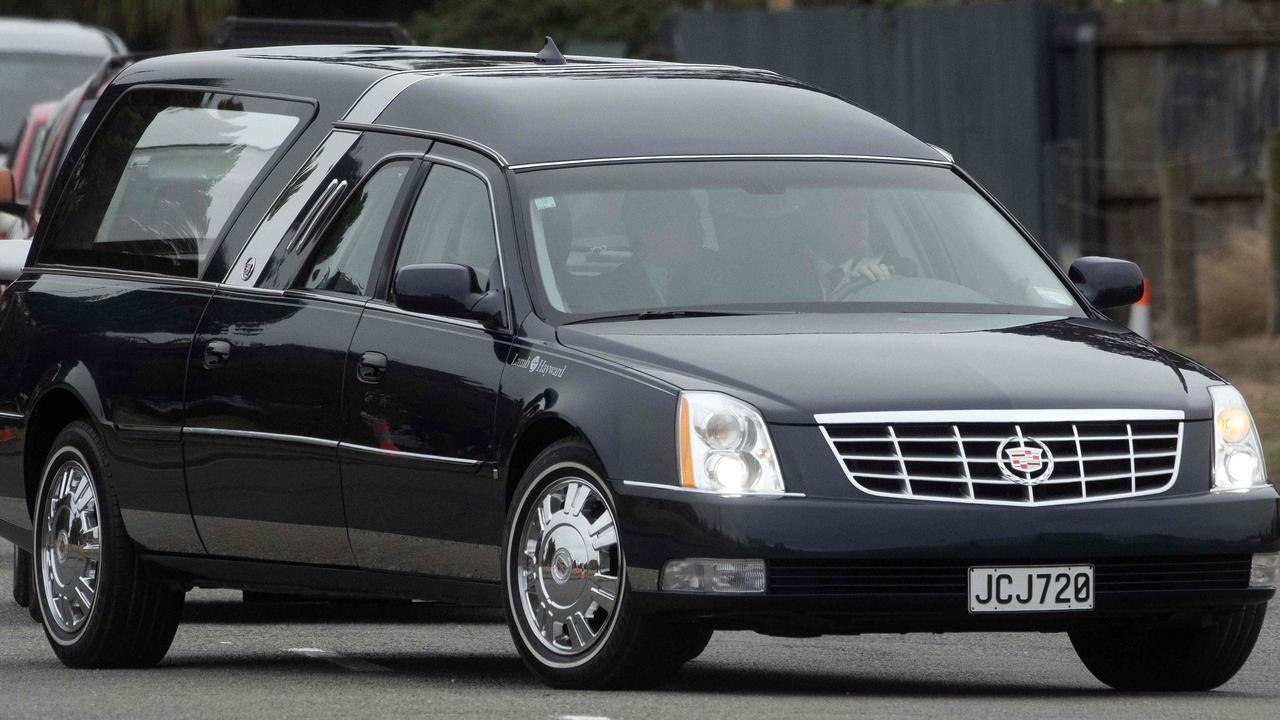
(871, 565)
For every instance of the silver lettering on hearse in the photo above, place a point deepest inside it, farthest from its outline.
(536, 364)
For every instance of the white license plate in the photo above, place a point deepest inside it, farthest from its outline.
(1030, 589)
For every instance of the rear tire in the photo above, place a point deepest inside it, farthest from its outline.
(21, 577)
(100, 607)
(555, 563)
(1195, 655)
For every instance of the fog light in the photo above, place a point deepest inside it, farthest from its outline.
(1265, 571)
(705, 575)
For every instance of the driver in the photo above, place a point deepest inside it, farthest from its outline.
(669, 265)
(841, 254)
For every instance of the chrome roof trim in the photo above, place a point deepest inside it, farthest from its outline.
(998, 416)
(428, 134)
(571, 68)
(381, 94)
(682, 158)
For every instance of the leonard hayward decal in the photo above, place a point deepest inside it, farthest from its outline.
(536, 364)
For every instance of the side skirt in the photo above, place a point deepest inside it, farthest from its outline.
(289, 578)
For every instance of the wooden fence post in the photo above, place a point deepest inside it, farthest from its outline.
(1179, 251)
(1271, 201)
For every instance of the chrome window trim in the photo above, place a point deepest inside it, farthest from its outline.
(258, 435)
(251, 290)
(704, 491)
(384, 306)
(12, 416)
(90, 271)
(358, 301)
(980, 416)
(761, 156)
(409, 455)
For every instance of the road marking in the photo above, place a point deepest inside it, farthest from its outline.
(348, 663)
(583, 717)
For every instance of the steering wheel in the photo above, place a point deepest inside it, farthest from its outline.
(854, 285)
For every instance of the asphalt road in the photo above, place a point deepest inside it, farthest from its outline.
(232, 660)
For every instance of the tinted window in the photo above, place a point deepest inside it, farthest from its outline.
(344, 260)
(452, 223)
(777, 235)
(164, 176)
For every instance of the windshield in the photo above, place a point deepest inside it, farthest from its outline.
(788, 236)
(29, 79)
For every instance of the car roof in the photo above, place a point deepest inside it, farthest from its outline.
(56, 37)
(524, 113)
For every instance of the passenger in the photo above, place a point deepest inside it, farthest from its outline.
(669, 266)
(843, 256)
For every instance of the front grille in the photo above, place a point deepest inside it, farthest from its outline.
(867, 577)
(979, 462)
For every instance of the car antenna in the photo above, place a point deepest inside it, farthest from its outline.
(550, 54)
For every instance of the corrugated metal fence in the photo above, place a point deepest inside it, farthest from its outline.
(974, 79)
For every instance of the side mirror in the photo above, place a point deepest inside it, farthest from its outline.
(1107, 282)
(446, 289)
(9, 195)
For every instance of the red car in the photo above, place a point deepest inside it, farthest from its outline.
(69, 114)
(28, 151)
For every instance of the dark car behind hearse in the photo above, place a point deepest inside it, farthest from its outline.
(636, 351)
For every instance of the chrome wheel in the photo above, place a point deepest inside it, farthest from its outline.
(69, 544)
(568, 565)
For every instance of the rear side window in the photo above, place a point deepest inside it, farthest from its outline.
(164, 176)
(344, 260)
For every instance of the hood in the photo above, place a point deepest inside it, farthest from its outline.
(793, 367)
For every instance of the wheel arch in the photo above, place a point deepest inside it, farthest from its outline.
(54, 409)
(537, 435)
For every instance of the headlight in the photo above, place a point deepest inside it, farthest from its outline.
(1238, 462)
(725, 446)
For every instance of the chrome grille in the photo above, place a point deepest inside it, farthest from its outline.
(978, 462)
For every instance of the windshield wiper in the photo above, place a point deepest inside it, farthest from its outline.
(676, 313)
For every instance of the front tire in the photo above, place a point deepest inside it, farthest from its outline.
(564, 578)
(100, 608)
(1194, 655)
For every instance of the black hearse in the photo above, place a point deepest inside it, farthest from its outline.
(637, 351)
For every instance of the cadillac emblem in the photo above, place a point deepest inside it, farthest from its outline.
(1025, 460)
